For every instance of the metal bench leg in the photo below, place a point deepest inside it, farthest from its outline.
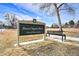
(65, 37)
(62, 37)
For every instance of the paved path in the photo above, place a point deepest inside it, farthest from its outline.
(67, 38)
(58, 38)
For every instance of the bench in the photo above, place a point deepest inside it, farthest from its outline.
(59, 33)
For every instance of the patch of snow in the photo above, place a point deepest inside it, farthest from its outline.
(1, 30)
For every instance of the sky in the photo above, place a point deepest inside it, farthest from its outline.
(28, 11)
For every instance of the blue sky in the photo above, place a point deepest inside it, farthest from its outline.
(29, 11)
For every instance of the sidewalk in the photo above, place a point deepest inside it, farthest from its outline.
(58, 38)
(67, 37)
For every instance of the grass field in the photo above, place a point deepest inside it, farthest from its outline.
(9, 37)
(45, 48)
(53, 48)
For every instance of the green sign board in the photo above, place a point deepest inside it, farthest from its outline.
(31, 29)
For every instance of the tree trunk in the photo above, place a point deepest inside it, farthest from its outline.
(58, 15)
(59, 20)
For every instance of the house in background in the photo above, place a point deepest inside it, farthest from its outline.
(1, 24)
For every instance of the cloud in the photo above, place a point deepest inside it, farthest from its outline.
(25, 11)
(24, 17)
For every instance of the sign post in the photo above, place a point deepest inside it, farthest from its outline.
(18, 33)
(30, 28)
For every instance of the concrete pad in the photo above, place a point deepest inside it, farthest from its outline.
(23, 43)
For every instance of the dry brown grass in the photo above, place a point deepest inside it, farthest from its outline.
(18, 51)
(26, 38)
(45, 48)
(52, 48)
(68, 31)
(65, 29)
(9, 37)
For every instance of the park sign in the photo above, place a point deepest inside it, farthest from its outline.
(30, 27)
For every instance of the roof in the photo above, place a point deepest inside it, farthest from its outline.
(1, 22)
(31, 22)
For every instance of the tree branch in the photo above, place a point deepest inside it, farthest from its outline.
(60, 5)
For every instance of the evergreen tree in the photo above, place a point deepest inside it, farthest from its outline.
(71, 23)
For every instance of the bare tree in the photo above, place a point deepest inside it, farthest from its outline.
(57, 8)
(11, 18)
